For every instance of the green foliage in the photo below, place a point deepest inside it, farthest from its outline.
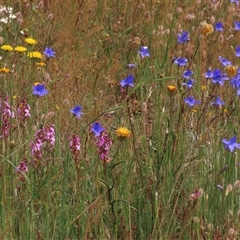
(171, 178)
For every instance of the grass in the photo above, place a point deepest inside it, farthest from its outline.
(171, 178)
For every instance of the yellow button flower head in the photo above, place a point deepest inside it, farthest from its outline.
(231, 71)
(206, 28)
(40, 64)
(171, 90)
(31, 41)
(20, 49)
(35, 54)
(6, 47)
(5, 70)
(123, 132)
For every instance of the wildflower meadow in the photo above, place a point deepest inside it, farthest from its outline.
(120, 119)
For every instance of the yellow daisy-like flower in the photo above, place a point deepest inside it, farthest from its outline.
(20, 49)
(171, 90)
(36, 83)
(231, 71)
(5, 70)
(40, 64)
(203, 87)
(123, 132)
(206, 28)
(35, 54)
(31, 41)
(6, 47)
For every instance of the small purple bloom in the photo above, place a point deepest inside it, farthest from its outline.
(97, 129)
(231, 144)
(238, 92)
(183, 37)
(237, 54)
(22, 167)
(187, 74)
(235, 81)
(144, 52)
(189, 84)
(219, 77)
(39, 90)
(49, 52)
(181, 61)
(224, 61)
(77, 111)
(209, 74)
(131, 65)
(218, 102)
(128, 81)
(191, 101)
(237, 25)
(235, 1)
(219, 26)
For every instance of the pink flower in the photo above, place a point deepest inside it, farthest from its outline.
(104, 143)
(75, 146)
(23, 110)
(5, 115)
(43, 137)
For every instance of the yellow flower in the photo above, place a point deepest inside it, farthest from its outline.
(6, 48)
(30, 41)
(203, 87)
(123, 132)
(206, 28)
(14, 97)
(36, 83)
(35, 54)
(231, 71)
(40, 64)
(171, 90)
(57, 107)
(20, 49)
(5, 70)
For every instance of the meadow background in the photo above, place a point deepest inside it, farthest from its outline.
(158, 168)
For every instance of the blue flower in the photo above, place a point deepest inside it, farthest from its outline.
(225, 62)
(49, 52)
(219, 26)
(235, 81)
(219, 77)
(183, 37)
(187, 74)
(128, 81)
(237, 54)
(235, 1)
(144, 52)
(218, 102)
(208, 74)
(191, 101)
(97, 129)
(77, 111)
(131, 65)
(189, 84)
(231, 144)
(238, 92)
(237, 25)
(39, 90)
(181, 61)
